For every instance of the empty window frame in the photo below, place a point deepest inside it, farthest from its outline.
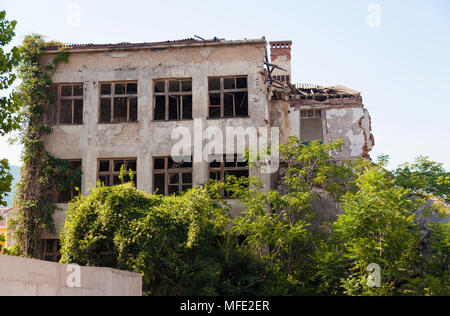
(75, 182)
(172, 100)
(118, 102)
(51, 250)
(109, 170)
(69, 106)
(229, 166)
(228, 97)
(172, 176)
(311, 126)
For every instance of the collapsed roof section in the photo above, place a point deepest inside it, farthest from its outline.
(313, 112)
(299, 95)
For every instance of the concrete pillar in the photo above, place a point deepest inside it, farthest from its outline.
(90, 119)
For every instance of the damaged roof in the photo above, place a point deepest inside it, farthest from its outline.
(165, 44)
(309, 92)
(313, 90)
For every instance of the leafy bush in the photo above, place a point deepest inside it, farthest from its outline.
(178, 243)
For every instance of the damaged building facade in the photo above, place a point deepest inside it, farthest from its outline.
(118, 105)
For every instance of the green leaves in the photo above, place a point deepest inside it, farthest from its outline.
(377, 226)
(190, 245)
(5, 180)
(9, 119)
(424, 177)
(42, 175)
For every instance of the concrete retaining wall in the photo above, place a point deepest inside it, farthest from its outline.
(27, 277)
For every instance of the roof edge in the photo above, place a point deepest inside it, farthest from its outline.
(158, 45)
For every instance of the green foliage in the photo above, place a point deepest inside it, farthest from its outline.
(277, 224)
(178, 243)
(424, 177)
(436, 261)
(377, 226)
(2, 240)
(189, 245)
(42, 174)
(6, 179)
(9, 119)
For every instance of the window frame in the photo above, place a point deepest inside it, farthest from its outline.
(222, 93)
(317, 113)
(51, 255)
(312, 114)
(111, 173)
(114, 95)
(167, 172)
(55, 118)
(167, 94)
(72, 190)
(223, 169)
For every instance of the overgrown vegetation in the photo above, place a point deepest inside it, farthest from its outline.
(189, 244)
(9, 120)
(42, 175)
(180, 244)
(424, 177)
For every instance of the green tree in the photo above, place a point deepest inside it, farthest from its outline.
(378, 227)
(9, 119)
(424, 177)
(277, 224)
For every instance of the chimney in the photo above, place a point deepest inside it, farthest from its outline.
(280, 52)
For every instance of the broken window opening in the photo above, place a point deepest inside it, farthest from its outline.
(72, 192)
(228, 165)
(50, 250)
(311, 126)
(118, 102)
(172, 100)
(69, 106)
(228, 97)
(109, 171)
(172, 175)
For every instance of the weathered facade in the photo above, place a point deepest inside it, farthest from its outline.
(312, 112)
(119, 104)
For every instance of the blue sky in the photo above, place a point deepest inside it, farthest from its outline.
(402, 68)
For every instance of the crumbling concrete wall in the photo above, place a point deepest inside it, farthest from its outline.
(28, 277)
(353, 126)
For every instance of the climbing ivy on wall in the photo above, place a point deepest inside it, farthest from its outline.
(42, 175)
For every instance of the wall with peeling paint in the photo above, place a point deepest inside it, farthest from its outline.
(147, 138)
(351, 124)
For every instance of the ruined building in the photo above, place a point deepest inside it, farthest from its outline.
(119, 103)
